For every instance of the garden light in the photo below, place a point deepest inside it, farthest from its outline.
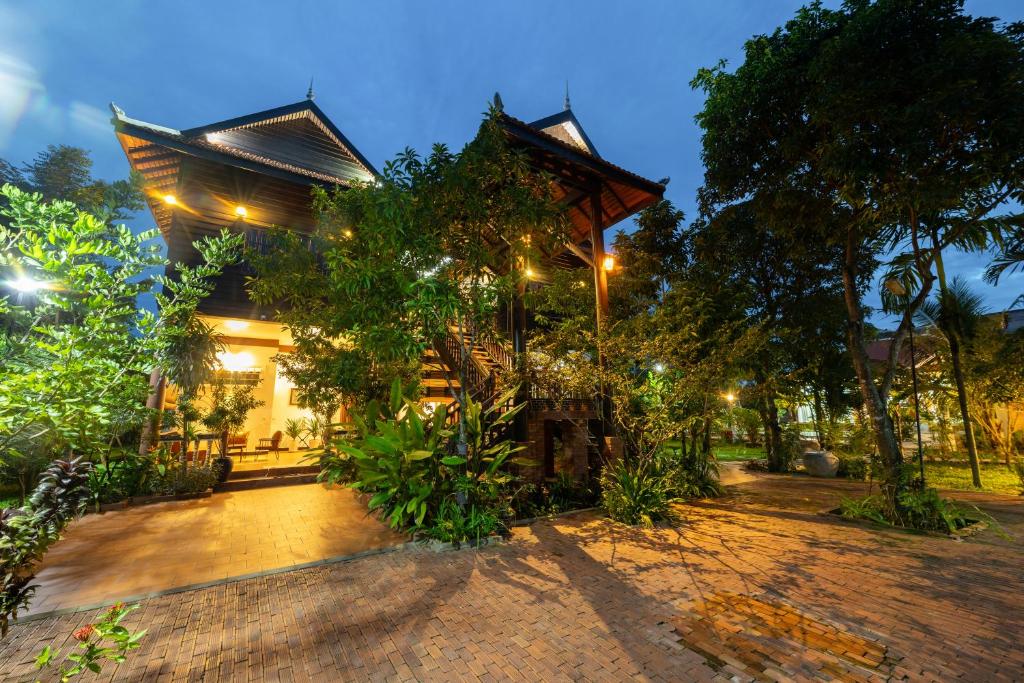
(25, 284)
(609, 263)
(730, 397)
(659, 368)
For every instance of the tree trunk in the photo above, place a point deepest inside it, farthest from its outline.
(961, 397)
(154, 402)
(772, 430)
(874, 401)
(818, 429)
(958, 373)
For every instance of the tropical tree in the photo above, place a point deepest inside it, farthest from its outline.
(957, 312)
(434, 245)
(75, 348)
(62, 172)
(852, 126)
(791, 289)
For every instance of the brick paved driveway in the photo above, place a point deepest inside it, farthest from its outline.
(749, 587)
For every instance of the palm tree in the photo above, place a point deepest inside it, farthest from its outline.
(189, 360)
(956, 311)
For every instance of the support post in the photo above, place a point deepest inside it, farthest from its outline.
(521, 423)
(601, 310)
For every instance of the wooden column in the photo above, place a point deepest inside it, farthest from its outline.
(601, 310)
(520, 426)
(597, 247)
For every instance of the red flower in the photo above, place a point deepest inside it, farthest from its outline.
(83, 634)
(116, 607)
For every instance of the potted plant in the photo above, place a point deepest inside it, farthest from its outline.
(295, 429)
(228, 412)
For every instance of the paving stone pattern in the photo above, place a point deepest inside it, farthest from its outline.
(746, 588)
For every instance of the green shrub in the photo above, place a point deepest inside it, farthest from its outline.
(637, 493)
(852, 466)
(1018, 469)
(924, 510)
(695, 476)
(26, 532)
(410, 464)
(453, 524)
(106, 640)
(170, 477)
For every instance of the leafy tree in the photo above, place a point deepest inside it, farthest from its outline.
(75, 349)
(994, 377)
(62, 172)
(854, 126)
(435, 244)
(229, 408)
(791, 289)
(957, 311)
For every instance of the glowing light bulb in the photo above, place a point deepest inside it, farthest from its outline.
(25, 284)
(241, 212)
(609, 263)
(170, 199)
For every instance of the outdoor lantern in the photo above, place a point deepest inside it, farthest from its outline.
(170, 199)
(240, 211)
(609, 263)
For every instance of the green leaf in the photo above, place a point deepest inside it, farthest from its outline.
(453, 460)
(413, 456)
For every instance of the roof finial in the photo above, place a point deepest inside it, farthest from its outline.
(567, 107)
(498, 104)
(309, 93)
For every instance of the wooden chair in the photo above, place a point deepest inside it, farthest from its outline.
(238, 443)
(271, 445)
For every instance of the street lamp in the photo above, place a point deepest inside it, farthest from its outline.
(731, 398)
(898, 290)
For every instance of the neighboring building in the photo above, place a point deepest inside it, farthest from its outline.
(253, 172)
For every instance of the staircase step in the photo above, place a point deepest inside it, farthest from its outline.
(264, 482)
(271, 471)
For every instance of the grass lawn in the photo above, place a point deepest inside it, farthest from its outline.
(733, 452)
(994, 478)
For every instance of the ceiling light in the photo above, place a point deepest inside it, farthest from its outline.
(170, 199)
(236, 325)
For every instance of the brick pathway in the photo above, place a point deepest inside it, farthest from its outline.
(747, 587)
(151, 548)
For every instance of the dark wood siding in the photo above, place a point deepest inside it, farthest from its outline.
(207, 196)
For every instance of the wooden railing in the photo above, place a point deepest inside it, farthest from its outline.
(498, 352)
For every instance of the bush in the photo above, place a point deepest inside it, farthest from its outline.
(695, 476)
(26, 532)
(411, 465)
(104, 641)
(183, 480)
(637, 493)
(453, 524)
(553, 496)
(1018, 469)
(924, 510)
(852, 466)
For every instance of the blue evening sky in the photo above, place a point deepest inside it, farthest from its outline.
(389, 74)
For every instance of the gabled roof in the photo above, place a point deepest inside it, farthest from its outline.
(579, 173)
(566, 127)
(297, 142)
